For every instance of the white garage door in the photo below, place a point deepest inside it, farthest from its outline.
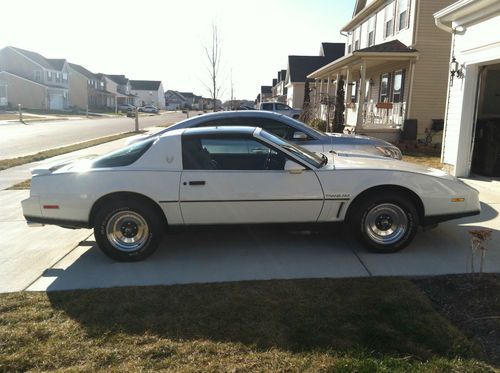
(56, 102)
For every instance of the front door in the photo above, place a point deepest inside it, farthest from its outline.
(231, 180)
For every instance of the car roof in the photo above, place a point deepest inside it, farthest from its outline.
(219, 130)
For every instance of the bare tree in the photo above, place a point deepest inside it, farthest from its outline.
(213, 52)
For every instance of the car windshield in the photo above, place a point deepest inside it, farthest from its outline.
(314, 159)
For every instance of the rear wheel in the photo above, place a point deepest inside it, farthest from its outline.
(127, 231)
(385, 223)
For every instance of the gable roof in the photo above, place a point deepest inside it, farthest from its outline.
(52, 64)
(265, 89)
(118, 79)
(393, 46)
(82, 70)
(145, 85)
(57, 63)
(332, 50)
(301, 66)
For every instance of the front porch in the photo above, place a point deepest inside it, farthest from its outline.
(376, 85)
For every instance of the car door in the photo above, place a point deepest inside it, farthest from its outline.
(237, 179)
(283, 109)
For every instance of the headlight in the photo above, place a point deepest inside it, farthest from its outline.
(390, 151)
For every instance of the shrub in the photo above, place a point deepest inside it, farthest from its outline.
(319, 124)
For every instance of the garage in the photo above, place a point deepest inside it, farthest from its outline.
(471, 144)
(56, 101)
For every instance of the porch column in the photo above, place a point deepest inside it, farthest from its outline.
(318, 112)
(362, 94)
(347, 95)
(328, 103)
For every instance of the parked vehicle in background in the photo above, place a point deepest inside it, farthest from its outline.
(280, 108)
(149, 109)
(291, 130)
(125, 107)
(240, 175)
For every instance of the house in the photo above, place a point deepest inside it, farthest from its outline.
(395, 70)
(472, 123)
(88, 90)
(266, 94)
(174, 100)
(279, 91)
(148, 92)
(119, 85)
(299, 67)
(35, 82)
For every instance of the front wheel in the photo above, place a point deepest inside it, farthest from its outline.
(385, 224)
(127, 231)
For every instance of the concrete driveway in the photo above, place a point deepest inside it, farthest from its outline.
(52, 258)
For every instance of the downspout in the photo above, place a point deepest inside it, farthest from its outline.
(442, 26)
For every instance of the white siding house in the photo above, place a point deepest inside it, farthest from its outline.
(148, 92)
(472, 123)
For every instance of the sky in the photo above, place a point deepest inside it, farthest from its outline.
(164, 40)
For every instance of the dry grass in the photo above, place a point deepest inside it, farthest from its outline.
(423, 159)
(15, 117)
(302, 325)
(40, 156)
(26, 184)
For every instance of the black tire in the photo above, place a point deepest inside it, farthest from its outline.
(382, 212)
(148, 227)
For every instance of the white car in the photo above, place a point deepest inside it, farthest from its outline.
(240, 175)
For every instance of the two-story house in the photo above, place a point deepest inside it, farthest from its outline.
(119, 85)
(88, 90)
(395, 70)
(299, 67)
(34, 81)
(279, 90)
(148, 92)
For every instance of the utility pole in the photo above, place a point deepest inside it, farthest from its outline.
(136, 119)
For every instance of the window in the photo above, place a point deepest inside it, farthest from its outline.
(38, 76)
(65, 76)
(357, 38)
(371, 31)
(389, 20)
(402, 14)
(229, 153)
(354, 91)
(384, 87)
(398, 86)
(267, 106)
(49, 76)
(278, 128)
(349, 48)
(124, 157)
(58, 77)
(282, 107)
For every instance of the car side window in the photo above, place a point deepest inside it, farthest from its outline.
(229, 153)
(268, 107)
(282, 107)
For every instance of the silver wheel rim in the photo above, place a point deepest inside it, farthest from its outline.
(386, 224)
(127, 231)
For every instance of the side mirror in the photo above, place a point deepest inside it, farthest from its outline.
(293, 167)
(299, 135)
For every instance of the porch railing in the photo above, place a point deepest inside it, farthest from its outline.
(384, 113)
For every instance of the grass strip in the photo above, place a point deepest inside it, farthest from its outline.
(367, 325)
(40, 156)
(26, 184)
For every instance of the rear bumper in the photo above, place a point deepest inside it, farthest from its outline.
(436, 219)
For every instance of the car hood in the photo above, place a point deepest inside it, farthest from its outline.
(362, 162)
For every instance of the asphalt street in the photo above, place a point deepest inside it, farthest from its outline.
(17, 139)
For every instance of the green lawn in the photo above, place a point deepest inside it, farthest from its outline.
(362, 325)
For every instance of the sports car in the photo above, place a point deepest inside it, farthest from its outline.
(240, 175)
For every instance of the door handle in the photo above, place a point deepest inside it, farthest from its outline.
(196, 183)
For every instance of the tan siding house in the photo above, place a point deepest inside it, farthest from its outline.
(23, 91)
(395, 68)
